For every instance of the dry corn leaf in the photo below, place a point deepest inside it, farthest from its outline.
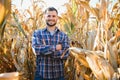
(84, 4)
(115, 7)
(2, 11)
(94, 66)
(113, 52)
(9, 76)
(14, 52)
(81, 58)
(90, 39)
(7, 7)
(106, 68)
(117, 34)
(95, 12)
(103, 9)
(109, 24)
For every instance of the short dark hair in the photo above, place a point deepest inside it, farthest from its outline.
(51, 9)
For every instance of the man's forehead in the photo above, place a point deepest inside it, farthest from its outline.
(51, 13)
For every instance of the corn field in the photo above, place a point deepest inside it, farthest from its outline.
(94, 34)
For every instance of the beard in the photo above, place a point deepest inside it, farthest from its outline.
(50, 25)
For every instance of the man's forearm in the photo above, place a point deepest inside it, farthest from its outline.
(43, 49)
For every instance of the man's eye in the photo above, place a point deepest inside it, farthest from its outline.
(49, 16)
(53, 16)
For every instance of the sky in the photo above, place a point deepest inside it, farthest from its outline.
(58, 4)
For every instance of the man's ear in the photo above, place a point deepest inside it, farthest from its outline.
(57, 17)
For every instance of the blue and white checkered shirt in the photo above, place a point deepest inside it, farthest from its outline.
(49, 66)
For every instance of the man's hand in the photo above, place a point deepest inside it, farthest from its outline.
(58, 47)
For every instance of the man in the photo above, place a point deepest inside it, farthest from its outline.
(49, 44)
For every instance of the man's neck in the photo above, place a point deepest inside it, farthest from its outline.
(52, 28)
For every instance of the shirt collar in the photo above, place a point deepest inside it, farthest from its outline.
(56, 29)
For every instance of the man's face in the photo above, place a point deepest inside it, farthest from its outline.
(51, 18)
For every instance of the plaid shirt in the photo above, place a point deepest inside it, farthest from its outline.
(49, 66)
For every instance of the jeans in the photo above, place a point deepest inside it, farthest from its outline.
(40, 78)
